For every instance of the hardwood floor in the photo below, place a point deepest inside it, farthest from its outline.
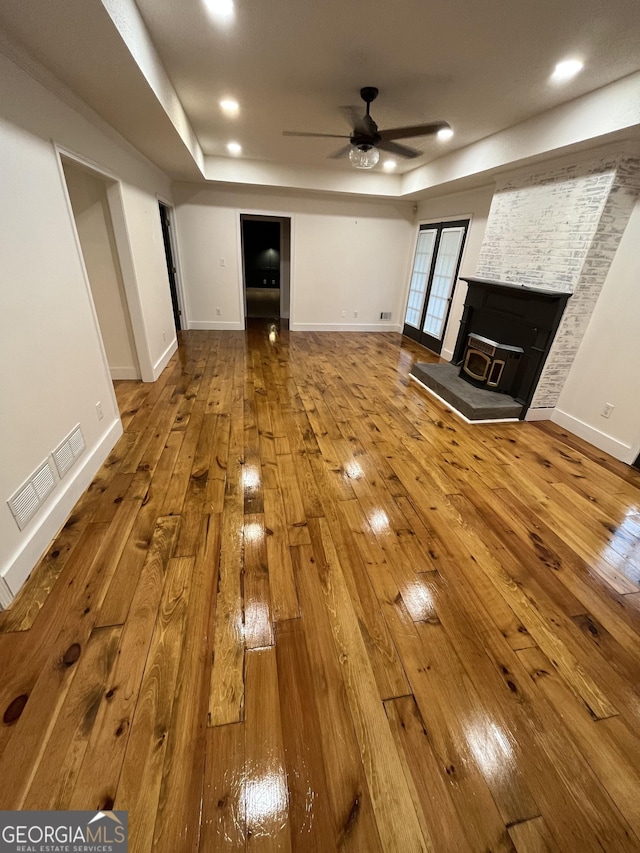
(304, 607)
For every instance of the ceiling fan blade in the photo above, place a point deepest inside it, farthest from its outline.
(341, 152)
(400, 150)
(417, 130)
(327, 135)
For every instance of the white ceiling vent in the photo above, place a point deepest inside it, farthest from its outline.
(31, 495)
(68, 451)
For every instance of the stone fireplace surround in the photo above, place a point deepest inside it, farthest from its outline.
(558, 230)
(555, 230)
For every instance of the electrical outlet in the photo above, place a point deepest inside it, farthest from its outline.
(164, 335)
(355, 314)
(223, 262)
(344, 313)
(99, 411)
(608, 408)
(218, 312)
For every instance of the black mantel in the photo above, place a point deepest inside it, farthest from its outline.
(515, 315)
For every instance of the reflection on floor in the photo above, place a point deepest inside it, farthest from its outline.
(263, 302)
(304, 607)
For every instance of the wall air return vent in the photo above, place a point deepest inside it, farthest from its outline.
(68, 451)
(31, 495)
(385, 315)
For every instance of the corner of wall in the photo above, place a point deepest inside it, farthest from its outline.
(162, 362)
(541, 414)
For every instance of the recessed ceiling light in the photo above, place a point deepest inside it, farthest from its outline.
(444, 134)
(229, 106)
(389, 165)
(221, 9)
(234, 148)
(566, 70)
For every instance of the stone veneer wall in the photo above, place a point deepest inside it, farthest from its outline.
(560, 230)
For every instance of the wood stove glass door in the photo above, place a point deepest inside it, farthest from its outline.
(435, 270)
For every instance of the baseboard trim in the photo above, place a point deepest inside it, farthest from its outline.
(540, 414)
(162, 362)
(211, 325)
(618, 449)
(447, 354)
(54, 515)
(345, 327)
(124, 373)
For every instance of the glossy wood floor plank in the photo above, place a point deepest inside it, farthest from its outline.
(147, 743)
(615, 769)
(224, 823)
(177, 821)
(303, 606)
(265, 791)
(53, 782)
(226, 695)
(533, 836)
(348, 791)
(98, 777)
(435, 804)
(395, 813)
(312, 823)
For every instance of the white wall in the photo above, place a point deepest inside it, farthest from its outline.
(54, 369)
(474, 203)
(347, 256)
(605, 369)
(90, 205)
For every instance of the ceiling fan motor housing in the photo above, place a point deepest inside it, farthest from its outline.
(365, 133)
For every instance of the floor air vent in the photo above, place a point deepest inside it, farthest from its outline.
(68, 451)
(25, 502)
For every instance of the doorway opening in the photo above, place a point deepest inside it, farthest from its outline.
(266, 266)
(89, 194)
(166, 215)
(433, 278)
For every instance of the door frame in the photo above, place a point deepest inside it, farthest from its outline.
(440, 224)
(265, 214)
(123, 245)
(121, 236)
(173, 239)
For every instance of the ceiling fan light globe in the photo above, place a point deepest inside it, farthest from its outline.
(364, 156)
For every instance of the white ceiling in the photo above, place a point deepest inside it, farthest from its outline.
(481, 66)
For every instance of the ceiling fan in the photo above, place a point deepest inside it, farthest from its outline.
(365, 139)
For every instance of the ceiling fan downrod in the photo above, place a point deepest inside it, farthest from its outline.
(368, 94)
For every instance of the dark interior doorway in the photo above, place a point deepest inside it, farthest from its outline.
(265, 260)
(165, 220)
